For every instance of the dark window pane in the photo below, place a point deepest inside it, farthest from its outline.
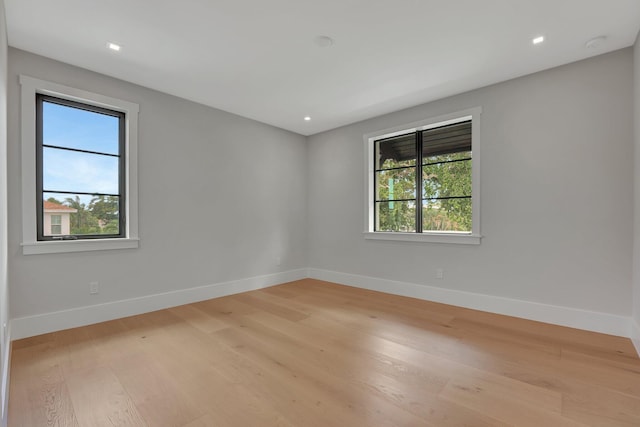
(446, 215)
(70, 127)
(65, 170)
(396, 216)
(449, 179)
(396, 152)
(446, 139)
(396, 184)
(84, 214)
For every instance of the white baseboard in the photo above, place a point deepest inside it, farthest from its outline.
(565, 316)
(635, 335)
(24, 327)
(606, 323)
(6, 372)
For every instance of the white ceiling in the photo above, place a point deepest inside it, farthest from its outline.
(258, 58)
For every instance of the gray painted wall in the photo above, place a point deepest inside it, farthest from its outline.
(557, 193)
(221, 196)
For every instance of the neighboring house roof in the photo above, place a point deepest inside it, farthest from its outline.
(55, 207)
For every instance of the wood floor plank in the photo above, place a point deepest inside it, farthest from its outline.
(399, 386)
(266, 385)
(602, 373)
(157, 398)
(411, 387)
(265, 304)
(198, 318)
(601, 407)
(207, 420)
(100, 400)
(312, 353)
(44, 399)
(475, 396)
(339, 357)
(418, 397)
(318, 392)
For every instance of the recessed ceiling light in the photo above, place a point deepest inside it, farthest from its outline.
(538, 40)
(595, 42)
(323, 41)
(307, 118)
(114, 46)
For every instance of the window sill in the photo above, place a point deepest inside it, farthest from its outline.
(53, 247)
(455, 238)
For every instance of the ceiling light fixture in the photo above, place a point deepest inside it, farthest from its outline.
(538, 40)
(307, 118)
(114, 46)
(323, 41)
(595, 42)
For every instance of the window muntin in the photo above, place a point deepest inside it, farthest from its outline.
(80, 156)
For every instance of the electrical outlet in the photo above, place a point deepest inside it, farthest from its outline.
(439, 273)
(94, 288)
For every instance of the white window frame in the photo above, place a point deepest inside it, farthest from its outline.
(469, 238)
(30, 245)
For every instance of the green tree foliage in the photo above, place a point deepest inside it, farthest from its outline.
(105, 209)
(54, 200)
(443, 176)
(396, 184)
(82, 222)
(99, 217)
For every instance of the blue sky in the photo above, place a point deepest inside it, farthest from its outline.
(73, 171)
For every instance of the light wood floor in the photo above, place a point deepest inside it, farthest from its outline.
(311, 353)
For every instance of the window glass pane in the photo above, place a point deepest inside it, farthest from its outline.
(65, 170)
(450, 179)
(56, 221)
(71, 127)
(88, 215)
(396, 152)
(396, 184)
(446, 139)
(446, 215)
(396, 216)
(441, 158)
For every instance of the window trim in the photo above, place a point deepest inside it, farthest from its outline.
(472, 238)
(30, 245)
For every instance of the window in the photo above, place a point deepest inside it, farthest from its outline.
(423, 181)
(56, 224)
(79, 158)
(80, 164)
